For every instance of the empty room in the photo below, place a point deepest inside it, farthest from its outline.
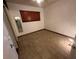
(39, 29)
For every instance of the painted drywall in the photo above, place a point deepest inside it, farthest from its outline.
(28, 27)
(60, 17)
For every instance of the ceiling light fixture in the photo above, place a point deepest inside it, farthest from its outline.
(39, 1)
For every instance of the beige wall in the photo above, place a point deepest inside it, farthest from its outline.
(60, 17)
(28, 27)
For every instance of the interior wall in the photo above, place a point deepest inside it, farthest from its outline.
(60, 17)
(28, 27)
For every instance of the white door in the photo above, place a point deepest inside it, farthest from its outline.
(9, 51)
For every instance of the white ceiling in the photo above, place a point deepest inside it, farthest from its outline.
(31, 2)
